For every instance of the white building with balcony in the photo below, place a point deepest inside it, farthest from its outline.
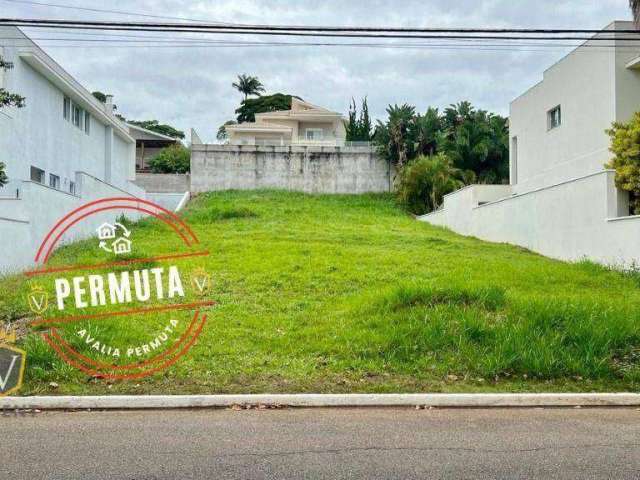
(561, 201)
(63, 149)
(303, 125)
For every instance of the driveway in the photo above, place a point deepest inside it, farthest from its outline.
(322, 443)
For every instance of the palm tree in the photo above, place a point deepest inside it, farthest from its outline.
(635, 7)
(248, 85)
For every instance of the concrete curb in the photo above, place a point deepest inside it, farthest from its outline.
(469, 400)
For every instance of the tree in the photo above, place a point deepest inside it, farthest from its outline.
(476, 141)
(248, 85)
(267, 103)
(394, 138)
(161, 128)
(3, 176)
(635, 7)
(358, 128)
(222, 131)
(8, 99)
(427, 129)
(625, 146)
(173, 159)
(425, 181)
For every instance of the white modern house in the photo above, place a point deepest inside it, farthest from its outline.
(561, 201)
(63, 149)
(304, 124)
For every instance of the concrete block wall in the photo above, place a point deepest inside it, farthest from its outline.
(306, 169)
(163, 182)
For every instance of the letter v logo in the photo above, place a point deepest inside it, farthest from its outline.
(12, 364)
(3, 381)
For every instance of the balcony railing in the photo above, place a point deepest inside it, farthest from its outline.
(308, 143)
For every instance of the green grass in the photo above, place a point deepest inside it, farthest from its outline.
(350, 294)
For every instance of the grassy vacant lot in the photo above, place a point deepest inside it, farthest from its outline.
(350, 294)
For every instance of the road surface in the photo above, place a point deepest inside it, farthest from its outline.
(322, 443)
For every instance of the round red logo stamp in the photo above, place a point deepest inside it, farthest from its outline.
(126, 294)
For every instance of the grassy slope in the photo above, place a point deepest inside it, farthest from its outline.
(348, 293)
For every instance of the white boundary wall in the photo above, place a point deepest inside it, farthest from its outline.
(25, 221)
(577, 219)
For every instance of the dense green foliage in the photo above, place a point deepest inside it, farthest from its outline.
(222, 130)
(424, 182)
(266, 103)
(173, 159)
(359, 128)
(3, 175)
(475, 141)
(248, 85)
(395, 137)
(625, 146)
(347, 293)
(161, 128)
(102, 97)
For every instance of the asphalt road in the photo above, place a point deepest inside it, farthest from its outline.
(322, 443)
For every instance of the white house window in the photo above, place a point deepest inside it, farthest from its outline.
(66, 108)
(54, 181)
(554, 118)
(87, 123)
(37, 175)
(314, 134)
(72, 188)
(77, 116)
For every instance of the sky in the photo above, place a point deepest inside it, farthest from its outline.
(190, 86)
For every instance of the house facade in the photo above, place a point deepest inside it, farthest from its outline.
(561, 200)
(63, 149)
(304, 125)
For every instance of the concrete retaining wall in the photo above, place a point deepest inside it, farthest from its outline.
(306, 169)
(25, 221)
(581, 218)
(163, 182)
(170, 201)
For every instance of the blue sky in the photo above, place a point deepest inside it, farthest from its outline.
(190, 86)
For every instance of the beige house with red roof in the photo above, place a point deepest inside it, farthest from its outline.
(304, 124)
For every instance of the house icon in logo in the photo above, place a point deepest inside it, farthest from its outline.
(121, 245)
(106, 231)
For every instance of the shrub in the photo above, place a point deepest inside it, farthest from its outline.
(3, 176)
(425, 181)
(173, 159)
(625, 146)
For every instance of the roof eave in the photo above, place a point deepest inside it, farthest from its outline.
(71, 87)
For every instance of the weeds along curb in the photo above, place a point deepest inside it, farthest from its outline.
(442, 400)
